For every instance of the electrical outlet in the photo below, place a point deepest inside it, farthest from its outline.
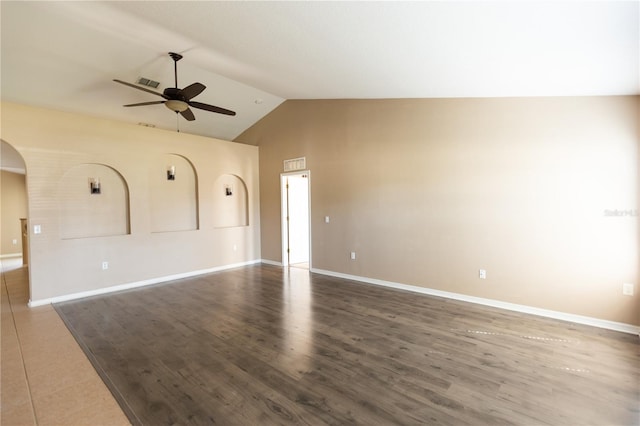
(482, 274)
(105, 265)
(627, 289)
(353, 255)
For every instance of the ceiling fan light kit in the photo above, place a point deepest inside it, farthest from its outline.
(176, 99)
(176, 105)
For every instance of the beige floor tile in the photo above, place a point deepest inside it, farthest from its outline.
(17, 292)
(11, 354)
(57, 372)
(51, 339)
(85, 403)
(42, 365)
(5, 303)
(7, 327)
(17, 307)
(15, 389)
(41, 316)
(19, 415)
(40, 324)
(9, 338)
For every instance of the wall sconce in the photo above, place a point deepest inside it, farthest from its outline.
(171, 173)
(94, 184)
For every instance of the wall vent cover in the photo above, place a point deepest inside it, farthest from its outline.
(295, 164)
(148, 82)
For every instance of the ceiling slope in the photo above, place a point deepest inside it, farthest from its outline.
(254, 55)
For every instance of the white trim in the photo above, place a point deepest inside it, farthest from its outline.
(128, 286)
(271, 262)
(9, 255)
(579, 319)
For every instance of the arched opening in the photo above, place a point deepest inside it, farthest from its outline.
(14, 244)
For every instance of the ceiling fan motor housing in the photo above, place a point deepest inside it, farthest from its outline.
(174, 93)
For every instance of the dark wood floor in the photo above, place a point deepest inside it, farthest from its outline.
(263, 345)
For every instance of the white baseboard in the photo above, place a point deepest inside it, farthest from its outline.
(579, 319)
(128, 286)
(8, 255)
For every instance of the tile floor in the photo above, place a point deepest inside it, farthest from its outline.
(45, 378)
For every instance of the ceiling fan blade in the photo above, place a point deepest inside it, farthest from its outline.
(211, 108)
(145, 103)
(193, 90)
(138, 87)
(188, 114)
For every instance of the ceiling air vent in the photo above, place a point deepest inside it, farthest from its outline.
(295, 164)
(149, 83)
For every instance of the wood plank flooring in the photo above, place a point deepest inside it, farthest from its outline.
(266, 345)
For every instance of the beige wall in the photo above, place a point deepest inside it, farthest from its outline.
(56, 146)
(13, 207)
(427, 192)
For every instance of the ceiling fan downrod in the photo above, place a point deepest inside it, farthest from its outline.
(176, 57)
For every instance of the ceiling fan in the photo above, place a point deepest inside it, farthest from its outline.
(179, 100)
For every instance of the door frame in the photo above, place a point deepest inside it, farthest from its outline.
(284, 213)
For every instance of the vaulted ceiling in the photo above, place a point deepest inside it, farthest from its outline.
(254, 55)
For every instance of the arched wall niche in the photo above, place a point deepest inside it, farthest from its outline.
(84, 212)
(230, 202)
(173, 202)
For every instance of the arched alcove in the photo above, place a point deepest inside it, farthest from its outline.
(173, 196)
(85, 210)
(230, 202)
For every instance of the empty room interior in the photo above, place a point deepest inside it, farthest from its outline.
(370, 213)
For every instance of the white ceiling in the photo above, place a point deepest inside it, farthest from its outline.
(254, 55)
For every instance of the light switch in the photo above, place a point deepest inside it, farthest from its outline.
(37, 229)
(627, 289)
(326, 219)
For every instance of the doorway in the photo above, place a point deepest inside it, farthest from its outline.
(296, 210)
(14, 210)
